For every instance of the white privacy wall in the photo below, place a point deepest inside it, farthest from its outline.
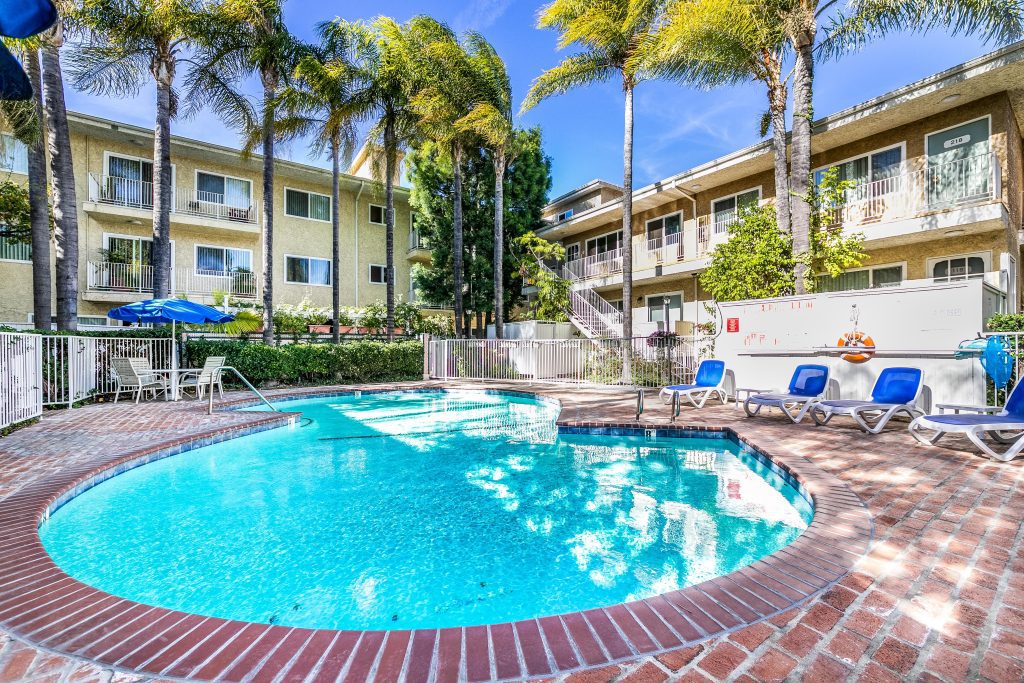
(911, 326)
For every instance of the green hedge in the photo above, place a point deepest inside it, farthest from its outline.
(1006, 322)
(349, 362)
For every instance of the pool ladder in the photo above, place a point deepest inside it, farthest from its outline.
(216, 377)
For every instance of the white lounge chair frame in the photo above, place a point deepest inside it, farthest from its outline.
(920, 427)
(208, 376)
(870, 417)
(698, 396)
(786, 402)
(136, 375)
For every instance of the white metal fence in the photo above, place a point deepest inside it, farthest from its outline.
(21, 386)
(75, 368)
(651, 362)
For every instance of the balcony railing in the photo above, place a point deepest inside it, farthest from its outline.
(943, 186)
(417, 241)
(104, 276)
(138, 194)
(599, 265)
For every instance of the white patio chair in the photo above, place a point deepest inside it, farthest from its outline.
(208, 377)
(136, 375)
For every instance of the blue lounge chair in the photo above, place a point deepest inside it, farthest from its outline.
(984, 420)
(806, 388)
(896, 391)
(709, 381)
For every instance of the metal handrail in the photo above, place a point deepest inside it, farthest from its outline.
(216, 377)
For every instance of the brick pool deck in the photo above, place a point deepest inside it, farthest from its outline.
(938, 596)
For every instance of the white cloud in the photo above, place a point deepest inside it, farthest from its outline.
(478, 15)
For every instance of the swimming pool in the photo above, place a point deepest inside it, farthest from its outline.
(424, 509)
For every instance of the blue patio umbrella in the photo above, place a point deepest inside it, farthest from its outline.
(20, 19)
(159, 311)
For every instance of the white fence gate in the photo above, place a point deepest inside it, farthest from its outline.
(75, 368)
(21, 386)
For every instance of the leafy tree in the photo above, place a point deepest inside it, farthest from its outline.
(239, 39)
(552, 298)
(125, 43)
(528, 180)
(15, 212)
(319, 103)
(610, 34)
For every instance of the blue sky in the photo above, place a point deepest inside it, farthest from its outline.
(676, 127)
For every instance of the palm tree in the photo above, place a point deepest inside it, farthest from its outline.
(319, 104)
(610, 33)
(381, 96)
(443, 95)
(238, 39)
(491, 120)
(25, 118)
(994, 20)
(125, 43)
(715, 43)
(65, 203)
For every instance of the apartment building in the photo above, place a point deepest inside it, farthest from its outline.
(216, 229)
(937, 166)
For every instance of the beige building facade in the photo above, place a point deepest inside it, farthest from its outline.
(938, 196)
(216, 227)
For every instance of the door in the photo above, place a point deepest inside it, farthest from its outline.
(959, 164)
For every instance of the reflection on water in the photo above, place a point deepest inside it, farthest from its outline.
(423, 510)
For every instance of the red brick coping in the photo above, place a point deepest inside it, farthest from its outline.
(48, 608)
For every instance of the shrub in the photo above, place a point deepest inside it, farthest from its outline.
(349, 362)
(1006, 322)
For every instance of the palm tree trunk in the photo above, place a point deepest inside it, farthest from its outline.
(457, 240)
(803, 114)
(389, 228)
(499, 243)
(65, 204)
(777, 114)
(335, 240)
(39, 210)
(627, 236)
(164, 75)
(269, 92)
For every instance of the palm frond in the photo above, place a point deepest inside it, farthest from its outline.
(574, 71)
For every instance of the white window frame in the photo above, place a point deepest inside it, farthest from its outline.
(903, 159)
(195, 186)
(11, 170)
(613, 302)
(195, 257)
(760, 198)
(647, 302)
(986, 256)
(106, 165)
(383, 213)
(284, 199)
(871, 278)
(579, 251)
(586, 242)
(647, 223)
(369, 273)
(330, 270)
(930, 133)
(565, 215)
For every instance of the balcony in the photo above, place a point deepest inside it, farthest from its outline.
(419, 248)
(131, 278)
(134, 198)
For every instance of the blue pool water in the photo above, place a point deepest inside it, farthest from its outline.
(407, 510)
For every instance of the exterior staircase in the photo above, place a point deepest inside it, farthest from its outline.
(591, 314)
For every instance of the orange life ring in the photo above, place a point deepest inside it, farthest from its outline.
(857, 340)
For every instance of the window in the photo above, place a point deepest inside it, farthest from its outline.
(572, 252)
(306, 270)
(378, 274)
(220, 189)
(875, 174)
(604, 243)
(377, 214)
(663, 227)
(726, 210)
(965, 267)
(222, 260)
(15, 250)
(616, 304)
(13, 154)
(564, 215)
(862, 278)
(656, 304)
(307, 205)
(129, 250)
